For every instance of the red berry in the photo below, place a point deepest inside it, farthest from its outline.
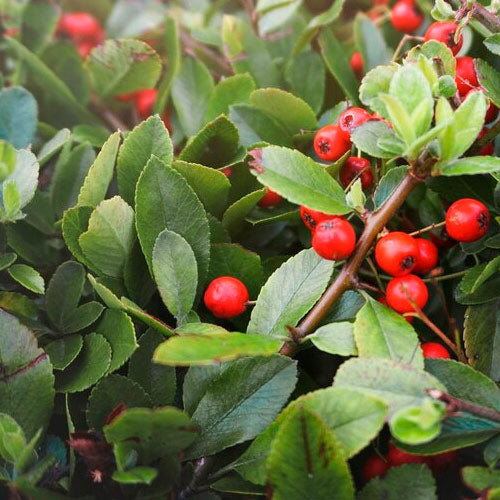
(397, 457)
(396, 253)
(80, 26)
(331, 143)
(467, 220)
(491, 113)
(356, 166)
(374, 466)
(85, 48)
(357, 64)
(226, 297)
(466, 77)
(444, 31)
(334, 239)
(427, 256)
(312, 218)
(402, 289)
(382, 300)
(270, 199)
(442, 240)
(144, 102)
(489, 149)
(434, 350)
(352, 118)
(406, 16)
(227, 172)
(443, 461)
(126, 97)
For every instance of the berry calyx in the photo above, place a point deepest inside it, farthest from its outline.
(444, 31)
(374, 466)
(144, 102)
(402, 290)
(311, 218)
(467, 220)
(334, 239)
(356, 167)
(226, 297)
(270, 199)
(397, 457)
(331, 143)
(396, 253)
(357, 64)
(434, 350)
(489, 148)
(406, 16)
(466, 76)
(352, 118)
(427, 258)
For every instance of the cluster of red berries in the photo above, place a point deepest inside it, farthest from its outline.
(144, 101)
(83, 28)
(377, 465)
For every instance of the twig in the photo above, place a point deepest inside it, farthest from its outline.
(114, 122)
(375, 223)
(486, 18)
(201, 472)
(376, 274)
(252, 14)
(455, 404)
(428, 228)
(404, 39)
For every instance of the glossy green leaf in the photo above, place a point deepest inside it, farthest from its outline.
(369, 39)
(367, 136)
(335, 338)
(28, 277)
(18, 116)
(234, 216)
(62, 352)
(472, 165)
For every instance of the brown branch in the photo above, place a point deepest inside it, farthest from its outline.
(344, 280)
(456, 404)
(486, 18)
(252, 14)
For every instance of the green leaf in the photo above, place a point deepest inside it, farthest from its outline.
(149, 138)
(214, 146)
(164, 200)
(291, 111)
(433, 51)
(117, 328)
(233, 217)
(273, 17)
(53, 146)
(493, 43)
(123, 66)
(306, 76)
(11, 199)
(173, 56)
(307, 461)
(478, 275)
(299, 179)
(335, 338)
(371, 42)
(18, 116)
(35, 34)
(153, 434)
(137, 475)
(50, 83)
(26, 377)
(354, 418)
(90, 365)
(481, 338)
(108, 240)
(68, 177)
(401, 119)
(235, 89)
(12, 439)
(382, 333)
(255, 126)
(175, 272)
(108, 394)
(195, 350)
(28, 277)
(471, 165)
(367, 136)
(489, 79)
(7, 260)
(191, 91)
(248, 53)
(376, 82)
(338, 65)
(463, 382)
(396, 384)
(210, 185)
(96, 184)
(481, 478)
(290, 293)
(389, 182)
(316, 23)
(234, 260)
(157, 380)
(62, 352)
(399, 481)
(259, 387)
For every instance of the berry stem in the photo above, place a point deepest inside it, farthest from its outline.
(404, 39)
(445, 277)
(428, 228)
(485, 17)
(369, 261)
(114, 122)
(344, 280)
(455, 404)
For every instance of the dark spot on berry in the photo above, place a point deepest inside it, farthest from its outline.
(324, 146)
(329, 224)
(407, 262)
(309, 220)
(348, 121)
(482, 220)
(451, 39)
